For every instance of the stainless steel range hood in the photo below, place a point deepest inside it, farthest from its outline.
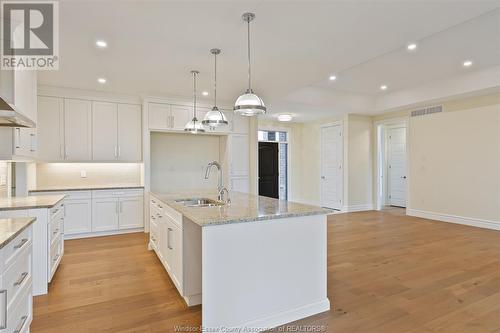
(9, 117)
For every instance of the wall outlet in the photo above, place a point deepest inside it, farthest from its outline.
(83, 173)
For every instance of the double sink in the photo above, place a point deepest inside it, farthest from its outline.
(199, 202)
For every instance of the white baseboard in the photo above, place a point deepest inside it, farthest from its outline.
(357, 208)
(102, 233)
(282, 318)
(470, 221)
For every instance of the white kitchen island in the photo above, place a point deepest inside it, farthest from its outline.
(255, 264)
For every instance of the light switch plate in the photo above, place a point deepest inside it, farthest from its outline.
(83, 173)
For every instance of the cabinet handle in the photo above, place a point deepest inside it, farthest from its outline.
(3, 324)
(61, 151)
(18, 141)
(21, 243)
(55, 258)
(20, 327)
(169, 230)
(33, 143)
(21, 279)
(116, 152)
(65, 153)
(119, 151)
(55, 231)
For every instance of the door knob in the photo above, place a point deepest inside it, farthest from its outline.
(404, 177)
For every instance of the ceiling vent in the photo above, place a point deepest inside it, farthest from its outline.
(427, 110)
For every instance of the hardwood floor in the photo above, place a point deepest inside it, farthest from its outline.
(386, 273)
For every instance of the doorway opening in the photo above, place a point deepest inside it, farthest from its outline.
(273, 164)
(392, 164)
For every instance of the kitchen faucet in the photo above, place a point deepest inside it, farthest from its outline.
(220, 188)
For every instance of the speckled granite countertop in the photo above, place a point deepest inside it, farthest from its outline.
(243, 208)
(31, 202)
(10, 228)
(87, 188)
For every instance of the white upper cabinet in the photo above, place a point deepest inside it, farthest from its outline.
(50, 128)
(129, 133)
(159, 116)
(180, 115)
(104, 131)
(77, 130)
(83, 130)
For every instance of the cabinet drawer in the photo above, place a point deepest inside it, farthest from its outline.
(70, 195)
(18, 275)
(154, 235)
(55, 255)
(96, 194)
(12, 250)
(20, 314)
(173, 215)
(55, 229)
(57, 211)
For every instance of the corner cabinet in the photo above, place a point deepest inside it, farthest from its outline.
(79, 130)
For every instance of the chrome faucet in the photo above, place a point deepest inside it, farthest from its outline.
(220, 188)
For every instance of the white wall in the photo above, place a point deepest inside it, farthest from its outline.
(69, 174)
(455, 163)
(178, 161)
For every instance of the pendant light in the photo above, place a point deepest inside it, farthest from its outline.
(194, 126)
(249, 104)
(215, 117)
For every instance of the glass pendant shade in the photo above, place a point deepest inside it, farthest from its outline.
(249, 104)
(194, 126)
(215, 118)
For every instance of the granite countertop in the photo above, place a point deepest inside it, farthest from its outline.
(31, 202)
(87, 188)
(243, 208)
(10, 228)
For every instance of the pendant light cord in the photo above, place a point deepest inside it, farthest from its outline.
(248, 50)
(194, 94)
(215, 81)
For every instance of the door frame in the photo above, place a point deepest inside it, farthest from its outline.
(288, 131)
(380, 159)
(343, 162)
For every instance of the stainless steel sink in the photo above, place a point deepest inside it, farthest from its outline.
(199, 202)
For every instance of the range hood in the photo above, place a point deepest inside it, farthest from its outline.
(9, 117)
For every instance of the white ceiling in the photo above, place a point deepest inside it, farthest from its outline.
(296, 45)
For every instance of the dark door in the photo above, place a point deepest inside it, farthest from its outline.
(268, 169)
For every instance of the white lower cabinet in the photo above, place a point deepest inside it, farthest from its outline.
(168, 235)
(16, 273)
(101, 212)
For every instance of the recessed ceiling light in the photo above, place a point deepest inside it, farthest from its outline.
(332, 78)
(467, 63)
(205, 93)
(383, 87)
(101, 44)
(101, 80)
(285, 117)
(411, 47)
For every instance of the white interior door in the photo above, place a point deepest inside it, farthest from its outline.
(396, 166)
(332, 167)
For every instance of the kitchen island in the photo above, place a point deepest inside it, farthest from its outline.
(254, 264)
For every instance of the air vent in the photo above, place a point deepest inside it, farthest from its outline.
(427, 110)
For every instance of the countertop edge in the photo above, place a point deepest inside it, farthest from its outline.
(17, 232)
(33, 206)
(76, 188)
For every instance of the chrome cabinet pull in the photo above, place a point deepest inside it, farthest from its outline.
(3, 324)
(55, 258)
(168, 238)
(21, 244)
(21, 279)
(20, 327)
(55, 231)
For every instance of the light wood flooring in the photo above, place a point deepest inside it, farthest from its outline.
(386, 273)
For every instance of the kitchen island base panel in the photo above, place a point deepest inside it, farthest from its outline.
(263, 274)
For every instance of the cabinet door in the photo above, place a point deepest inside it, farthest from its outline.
(77, 130)
(131, 213)
(50, 129)
(159, 116)
(25, 89)
(105, 214)
(78, 217)
(129, 133)
(181, 115)
(174, 246)
(239, 155)
(104, 131)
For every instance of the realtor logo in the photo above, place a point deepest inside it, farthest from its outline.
(30, 35)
